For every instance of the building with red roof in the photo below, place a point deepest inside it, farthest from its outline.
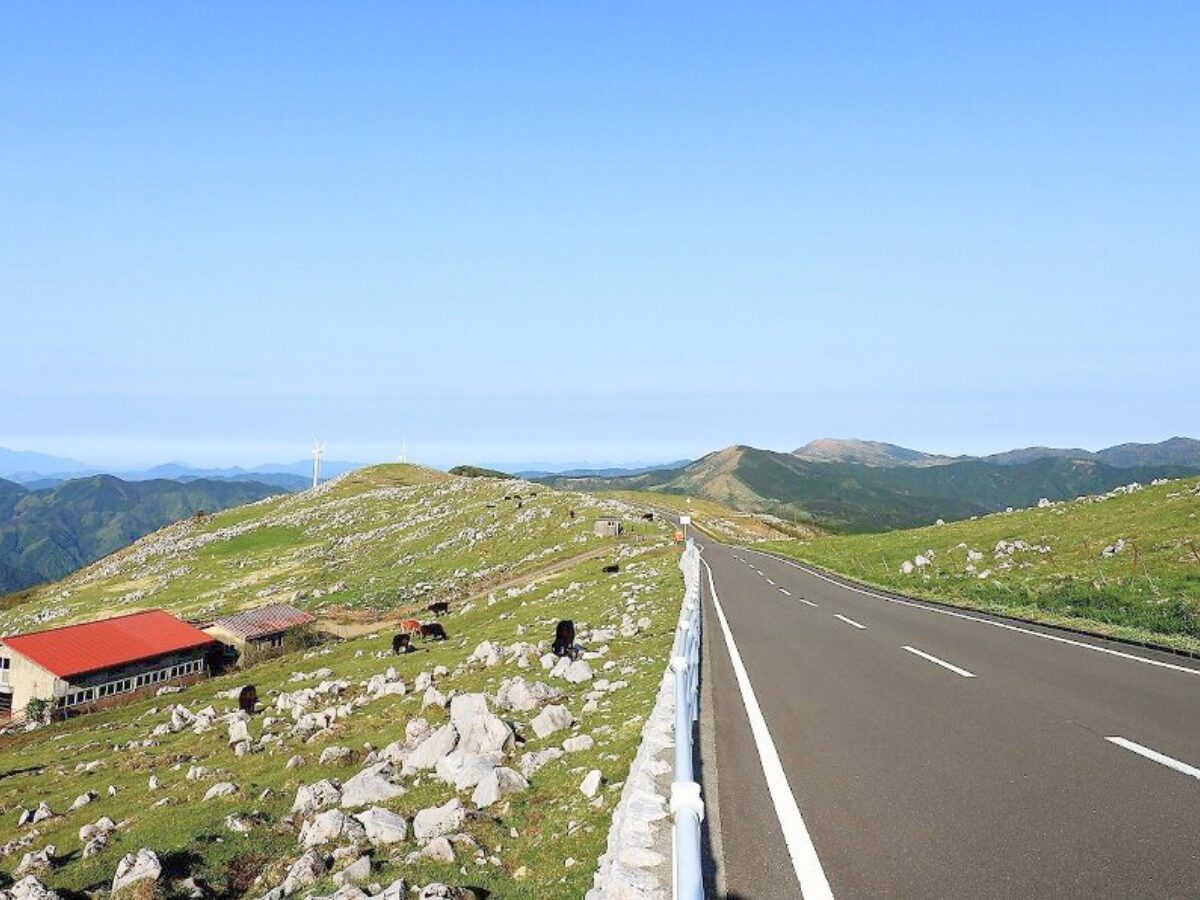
(78, 665)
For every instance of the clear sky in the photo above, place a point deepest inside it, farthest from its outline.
(563, 231)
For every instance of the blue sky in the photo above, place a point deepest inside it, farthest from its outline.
(512, 232)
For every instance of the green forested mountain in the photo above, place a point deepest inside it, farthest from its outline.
(858, 497)
(47, 534)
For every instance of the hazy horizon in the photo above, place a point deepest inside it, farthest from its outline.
(595, 233)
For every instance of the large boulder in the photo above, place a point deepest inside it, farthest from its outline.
(373, 784)
(519, 695)
(139, 871)
(438, 820)
(550, 720)
(431, 749)
(590, 784)
(497, 784)
(304, 872)
(40, 862)
(355, 873)
(83, 800)
(221, 789)
(311, 798)
(480, 731)
(239, 732)
(29, 888)
(383, 826)
(578, 672)
(464, 770)
(103, 824)
(329, 827)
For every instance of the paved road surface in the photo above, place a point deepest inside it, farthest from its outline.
(936, 755)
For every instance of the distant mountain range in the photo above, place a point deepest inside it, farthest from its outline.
(1177, 451)
(583, 470)
(28, 468)
(46, 534)
(870, 486)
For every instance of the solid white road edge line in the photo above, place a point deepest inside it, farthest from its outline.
(1161, 758)
(813, 883)
(1005, 625)
(941, 662)
(848, 621)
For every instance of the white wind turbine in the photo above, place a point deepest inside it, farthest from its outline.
(318, 451)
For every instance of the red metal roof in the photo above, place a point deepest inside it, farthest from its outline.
(270, 619)
(76, 649)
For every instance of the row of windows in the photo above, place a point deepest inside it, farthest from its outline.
(124, 685)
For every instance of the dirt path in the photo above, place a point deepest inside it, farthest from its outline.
(352, 629)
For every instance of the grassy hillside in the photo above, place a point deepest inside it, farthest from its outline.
(46, 534)
(726, 523)
(391, 533)
(374, 540)
(1121, 564)
(847, 496)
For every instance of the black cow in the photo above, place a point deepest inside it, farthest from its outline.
(612, 569)
(401, 643)
(564, 640)
(248, 699)
(649, 517)
(438, 607)
(433, 631)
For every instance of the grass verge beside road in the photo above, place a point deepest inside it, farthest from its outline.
(1122, 565)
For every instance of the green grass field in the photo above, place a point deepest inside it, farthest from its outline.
(526, 843)
(376, 540)
(1147, 590)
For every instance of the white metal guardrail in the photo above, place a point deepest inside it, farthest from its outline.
(687, 808)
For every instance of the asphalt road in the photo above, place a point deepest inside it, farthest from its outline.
(937, 755)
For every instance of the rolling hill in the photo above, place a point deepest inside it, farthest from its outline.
(853, 496)
(360, 552)
(1125, 563)
(47, 534)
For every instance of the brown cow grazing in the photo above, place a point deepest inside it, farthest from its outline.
(572, 515)
(410, 626)
(433, 631)
(248, 699)
(401, 643)
(438, 607)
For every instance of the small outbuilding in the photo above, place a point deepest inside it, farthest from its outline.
(608, 526)
(262, 628)
(80, 665)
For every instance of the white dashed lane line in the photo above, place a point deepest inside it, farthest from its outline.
(785, 592)
(848, 621)
(939, 662)
(1160, 758)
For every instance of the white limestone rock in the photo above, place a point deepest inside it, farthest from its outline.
(135, 868)
(438, 820)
